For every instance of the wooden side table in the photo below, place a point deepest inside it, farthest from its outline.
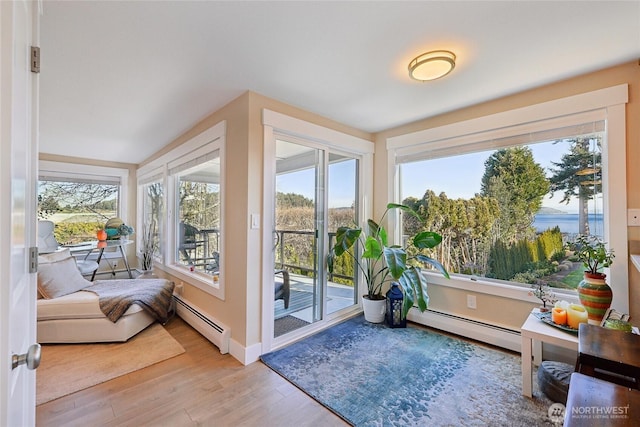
(533, 333)
(609, 354)
(594, 402)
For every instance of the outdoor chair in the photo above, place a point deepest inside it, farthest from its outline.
(190, 242)
(282, 289)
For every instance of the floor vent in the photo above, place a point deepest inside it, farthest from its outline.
(209, 327)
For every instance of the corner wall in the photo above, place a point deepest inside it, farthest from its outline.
(241, 309)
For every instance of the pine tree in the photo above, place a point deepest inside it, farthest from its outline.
(579, 174)
(519, 184)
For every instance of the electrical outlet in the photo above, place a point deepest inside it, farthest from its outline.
(471, 301)
(633, 217)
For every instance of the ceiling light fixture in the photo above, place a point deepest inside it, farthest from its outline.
(432, 65)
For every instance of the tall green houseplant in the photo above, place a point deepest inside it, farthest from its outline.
(381, 263)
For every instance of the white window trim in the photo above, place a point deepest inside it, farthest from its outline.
(211, 139)
(608, 103)
(54, 169)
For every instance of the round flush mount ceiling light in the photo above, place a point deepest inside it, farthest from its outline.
(432, 65)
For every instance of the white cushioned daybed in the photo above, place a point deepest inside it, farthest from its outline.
(66, 314)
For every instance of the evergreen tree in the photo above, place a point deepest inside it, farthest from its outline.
(466, 227)
(578, 174)
(519, 184)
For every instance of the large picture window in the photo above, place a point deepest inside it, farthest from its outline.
(508, 213)
(79, 199)
(508, 191)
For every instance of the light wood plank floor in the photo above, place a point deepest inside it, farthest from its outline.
(200, 387)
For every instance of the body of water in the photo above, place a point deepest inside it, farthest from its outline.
(568, 223)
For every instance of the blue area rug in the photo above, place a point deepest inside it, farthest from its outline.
(371, 375)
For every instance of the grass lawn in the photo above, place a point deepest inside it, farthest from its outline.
(572, 279)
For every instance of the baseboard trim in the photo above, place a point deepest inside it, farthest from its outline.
(480, 331)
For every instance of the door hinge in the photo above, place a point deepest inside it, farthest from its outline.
(35, 59)
(33, 259)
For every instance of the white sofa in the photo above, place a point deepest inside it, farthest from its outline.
(67, 314)
(76, 318)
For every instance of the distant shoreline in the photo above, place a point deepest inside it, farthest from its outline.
(568, 223)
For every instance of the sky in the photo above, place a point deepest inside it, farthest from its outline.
(458, 177)
(341, 184)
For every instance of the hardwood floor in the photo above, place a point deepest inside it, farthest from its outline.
(200, 387)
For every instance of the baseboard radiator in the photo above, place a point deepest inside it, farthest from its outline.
(209, 327)
(480, 331)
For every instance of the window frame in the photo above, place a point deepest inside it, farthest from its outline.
(604, 104)
(155, 176)
(210, 140)
(78, 172)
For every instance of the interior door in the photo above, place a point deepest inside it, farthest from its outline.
(19, 25)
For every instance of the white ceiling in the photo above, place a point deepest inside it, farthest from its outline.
(120, 80)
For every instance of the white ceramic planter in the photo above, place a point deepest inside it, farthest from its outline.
(373, 310)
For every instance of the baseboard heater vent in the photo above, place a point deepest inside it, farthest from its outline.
(209, 327)
(480, 331)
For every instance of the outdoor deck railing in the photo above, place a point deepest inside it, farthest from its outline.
(280, 253)
(209, 240)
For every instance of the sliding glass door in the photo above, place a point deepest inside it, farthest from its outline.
(315, 193)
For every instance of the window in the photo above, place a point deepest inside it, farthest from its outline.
(507, 213)
(79, 199)
(153, 214)
(497, 186)
(181, 195)
(198, 196)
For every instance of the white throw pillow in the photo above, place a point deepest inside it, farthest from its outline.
(58, 275)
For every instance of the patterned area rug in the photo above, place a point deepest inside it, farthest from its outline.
(371, 375)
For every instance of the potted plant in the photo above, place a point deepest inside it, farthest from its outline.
(593, 291)
(381, 263)
(593, 254)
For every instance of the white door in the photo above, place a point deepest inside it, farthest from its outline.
(18, 164)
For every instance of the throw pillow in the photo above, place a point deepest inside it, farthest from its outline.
(58, 275)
